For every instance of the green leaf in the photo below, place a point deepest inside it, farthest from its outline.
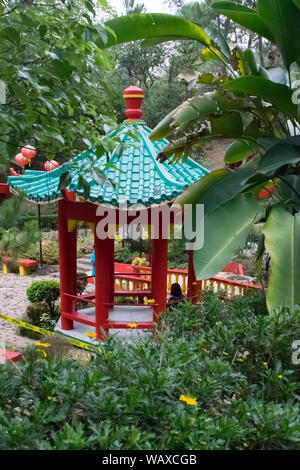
(218, 40)
(245, 17)
(11, 34)
(225, 231)
(198, 189)
(192, 110)
(89, 6)
(250, 59)
(275, 93)
(241, 62)
(114, 167)
(151, 42)
(290, 190)
(240, 150)
(211, 53)
(83, 184)
(21, 94)
(279, 155)
(153, 25)
(51, 132)
(98, 176)
(65, 180)
(215, 188)
(227, 125)
(282, 240)
(282, 19)
(62, 68)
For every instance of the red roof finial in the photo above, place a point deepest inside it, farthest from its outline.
(133, 97)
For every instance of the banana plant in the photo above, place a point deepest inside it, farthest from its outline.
(254, 106)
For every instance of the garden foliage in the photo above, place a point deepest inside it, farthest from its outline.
(43, 310)
(230, 358)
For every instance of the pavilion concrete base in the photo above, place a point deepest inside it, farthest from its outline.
(120, 313)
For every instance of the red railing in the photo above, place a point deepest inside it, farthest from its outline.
(216, 283)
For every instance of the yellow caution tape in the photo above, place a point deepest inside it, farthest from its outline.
(73, 341)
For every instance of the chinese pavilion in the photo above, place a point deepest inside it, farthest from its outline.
(141, 182)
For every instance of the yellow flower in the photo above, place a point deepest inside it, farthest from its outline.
(45, 345)
(279, 376)
(189, 400)
(265, 364)
(132, 325)
(90, 335)
(42, 351)
(149, 301)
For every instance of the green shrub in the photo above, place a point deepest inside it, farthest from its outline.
(178, 258)
(50, 252)
(123, 254)
(140, 262)
(25, 331)
(85, 245)
(48, 221)
(234, 361)
(81, 282)
(47, 291)
(120, 299)
(34, 312)
(41, 314)
(58, 348)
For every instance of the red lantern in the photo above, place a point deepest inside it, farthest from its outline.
(49, 166)
(28, 152)
(21, 160)
(13, 172)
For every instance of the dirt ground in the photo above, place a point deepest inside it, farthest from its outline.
(214, 154)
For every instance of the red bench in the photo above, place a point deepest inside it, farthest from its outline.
(25, 265)
(9, 356)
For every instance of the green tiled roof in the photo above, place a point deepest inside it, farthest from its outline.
(143, 180)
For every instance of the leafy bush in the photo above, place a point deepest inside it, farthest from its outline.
(81, 282)
(48, 221)
(43, 311)
(25, 331)
(120, 299)
(47, 291)
(85, 245)
(14, 241)
(39, 314)
(123, 254)
(49, 249)
(233, 361)
(178, 258)
(140, 262)
(34, 312)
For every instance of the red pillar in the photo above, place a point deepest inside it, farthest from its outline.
(194, 286)
(159, 275)
(67, 265)
(103, 259)
(112, 271)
